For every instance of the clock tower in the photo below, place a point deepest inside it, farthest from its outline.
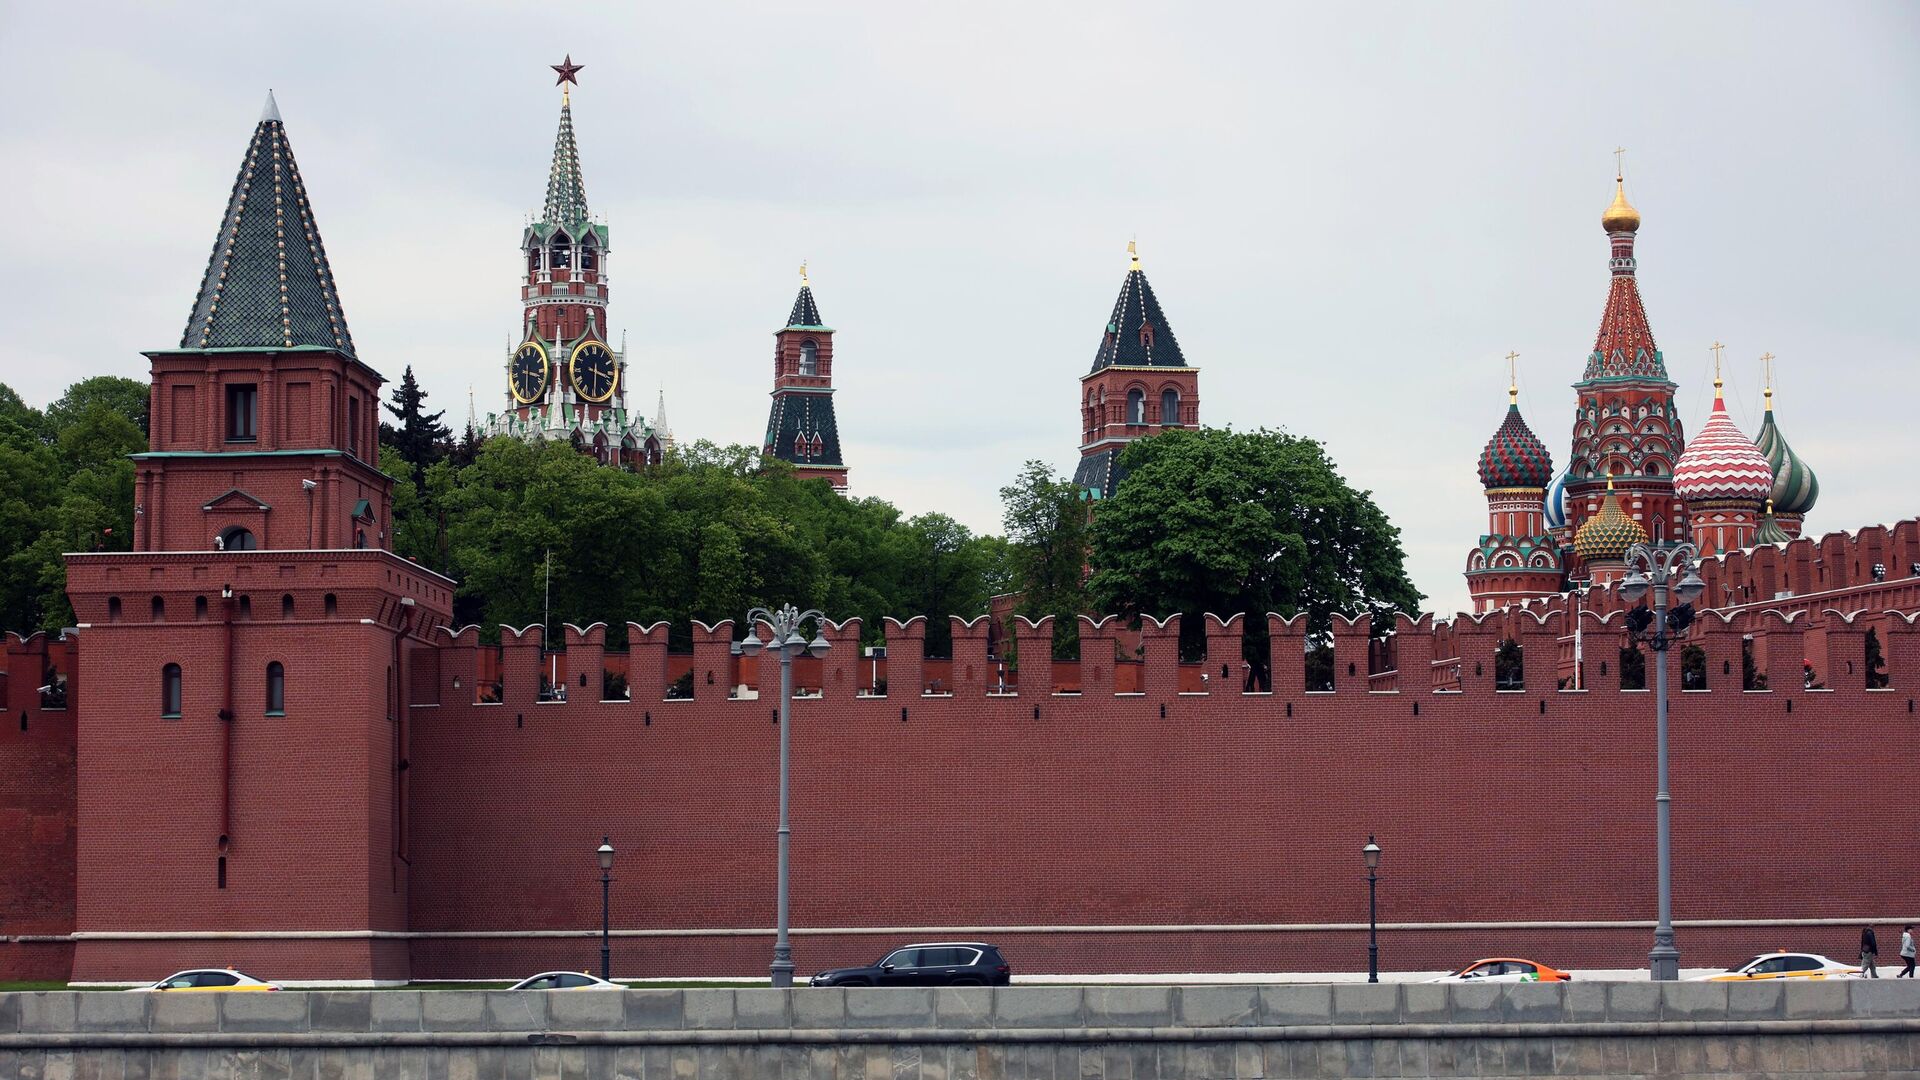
(564, 377)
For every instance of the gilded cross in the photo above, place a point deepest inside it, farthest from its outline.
(1619, 162)
(1716, 347)
(1513, 380)
(1766, 365)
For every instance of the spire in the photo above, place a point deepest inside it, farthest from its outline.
(1137, 333)
(566, 191)
(1624, 347)
(268, 284)
(660, 427)
(805, 312)
(1721, 464)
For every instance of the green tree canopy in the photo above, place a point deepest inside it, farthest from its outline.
(1230, 522)
(1047, 534)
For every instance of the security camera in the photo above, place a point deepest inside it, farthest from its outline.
(307, 485)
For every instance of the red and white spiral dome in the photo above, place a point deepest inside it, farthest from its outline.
(1721, 464)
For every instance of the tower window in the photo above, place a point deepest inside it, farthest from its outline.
(243, 401)
(159, 610)
(200, 608)
(809, 358)
(353, 426)
(1169, 407)
(113, 609)
(170, 692)
(286, 606)
(276, 689)
(533, 260)
(331, 605)
(237, 539)
(560, 255)
(589, 256)
(1136, 407)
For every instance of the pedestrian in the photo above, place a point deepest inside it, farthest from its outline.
(1907, 952)
(1869, 954)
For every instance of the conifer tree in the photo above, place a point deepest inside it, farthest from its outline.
(419, 436)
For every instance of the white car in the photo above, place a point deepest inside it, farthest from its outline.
(1782, 965)
(205, 979)
(565, 980)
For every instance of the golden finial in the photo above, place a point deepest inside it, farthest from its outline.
(1513, 380)
(1766, 366)
(1620, 216)
(1133, 252)
(803, 273)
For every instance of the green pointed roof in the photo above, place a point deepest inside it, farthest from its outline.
(1770, 531)
(566, 191)
(268, 284)
(805, 312)
(1795, 488)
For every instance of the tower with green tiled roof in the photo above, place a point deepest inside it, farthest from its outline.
(801, 426)
(1140, 384)
(565, 380)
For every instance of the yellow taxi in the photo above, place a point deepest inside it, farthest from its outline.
(208, 979)
(1783, 965)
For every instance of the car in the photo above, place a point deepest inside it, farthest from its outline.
(1783, 965)
(205, 979)
(565, 980)
(1505, 969)
(935, 963)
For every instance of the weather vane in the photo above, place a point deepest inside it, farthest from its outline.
(803, 273)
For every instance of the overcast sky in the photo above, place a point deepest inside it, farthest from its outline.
(1350, 213)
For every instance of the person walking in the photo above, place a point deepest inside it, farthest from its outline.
(1869, 954)
(1907, 952)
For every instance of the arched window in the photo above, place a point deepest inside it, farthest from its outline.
(170, 692)
(246, 606)
(237, 539)
(809, 358)
(331, 605)
(1136, 407)
(159, 610)
(1169, 407)
(286, 606)
(560, 255)
(589, 255)
(276, 689)
(533, 260)
(113, 609)
(200, 608)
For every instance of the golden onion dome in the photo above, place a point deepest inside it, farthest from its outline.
(1621, 216)
(1606, 536)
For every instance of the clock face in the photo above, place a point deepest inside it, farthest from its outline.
(528, 376)
(593, 371)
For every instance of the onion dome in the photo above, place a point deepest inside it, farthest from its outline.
(1553, 508)
(1515, 457)
(1721, 464)
(1770, 531)
(1621, 216)
(1608, 534)
(1795, 488)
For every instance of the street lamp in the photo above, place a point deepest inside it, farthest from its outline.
(1372, 854)
(1653, 567)
(786, 640)
(605, 851)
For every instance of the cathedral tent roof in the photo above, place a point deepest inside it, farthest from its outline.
(268, 284)
(805, 314)
(1137, 333)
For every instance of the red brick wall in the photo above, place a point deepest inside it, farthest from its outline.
(36, 812)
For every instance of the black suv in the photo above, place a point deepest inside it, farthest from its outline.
(941, 963)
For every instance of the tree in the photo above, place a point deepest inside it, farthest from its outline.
(1047, 534)
(1229, 522)
(420, 437)
(127, 397)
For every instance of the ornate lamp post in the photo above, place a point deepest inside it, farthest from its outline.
(605, 851)
(1371, 853)
(1650, 566)
(788, 643)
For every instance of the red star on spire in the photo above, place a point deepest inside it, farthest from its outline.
(567, 69)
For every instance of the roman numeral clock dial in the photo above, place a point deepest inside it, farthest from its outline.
(593, 372)
(528, 376)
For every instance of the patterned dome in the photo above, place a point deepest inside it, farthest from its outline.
(1554, 506)
(1770, 531)
(1608, 534)
(1515, 457)
(1795, 488)
(1721, 463)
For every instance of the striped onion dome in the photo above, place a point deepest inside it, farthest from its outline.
(1770, 531)
(1608, 534)
(1795, 488)
(1554, 506)
(1515, 457)
(1721, 463)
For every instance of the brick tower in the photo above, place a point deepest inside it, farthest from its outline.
(1517, 558)
(247, 662)
(1625, 430)
(801, 428)
(564, 380)
(1140, 385)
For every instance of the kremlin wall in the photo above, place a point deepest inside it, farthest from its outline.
(264, 745)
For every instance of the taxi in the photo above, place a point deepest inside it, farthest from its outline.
(1782, 965)
(1505, 969)
(208, 979)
